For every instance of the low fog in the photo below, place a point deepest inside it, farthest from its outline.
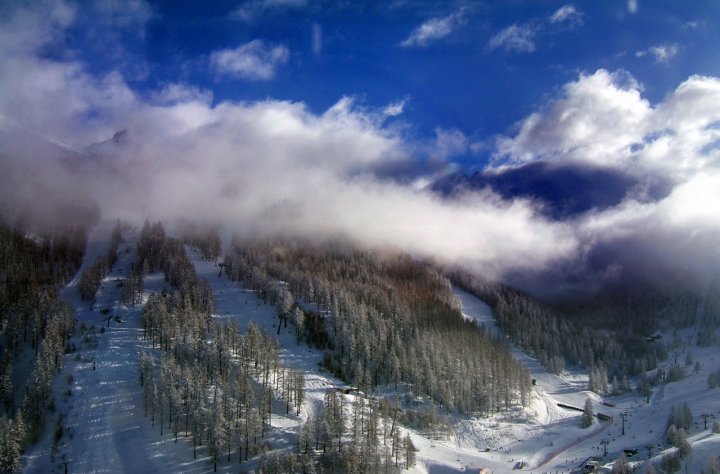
(277, 168)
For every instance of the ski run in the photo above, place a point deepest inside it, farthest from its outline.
(105, 429)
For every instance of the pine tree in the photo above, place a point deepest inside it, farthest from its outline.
(714, 467)
(409, 451)
(11, 435)
(682, 444)
(299, 319)
(670, 464)
(621, 466)
(588, 414)
(299, 389)
(670, 434)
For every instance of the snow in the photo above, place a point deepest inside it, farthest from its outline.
(242, 305)
(549, 439)
(105, 430)
(474, 309)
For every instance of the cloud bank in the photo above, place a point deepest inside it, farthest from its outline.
(274, 167)
(602, 120)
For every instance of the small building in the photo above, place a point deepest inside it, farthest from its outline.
(347, 389)
(591, 464)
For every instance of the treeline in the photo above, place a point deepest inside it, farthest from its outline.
(558, 339)
(205, 239)
(221, 394)
(209, 382)
(30, 262)
(219, 387)
(34, 327)
(360, 435)
(389, 321)
(92, 276)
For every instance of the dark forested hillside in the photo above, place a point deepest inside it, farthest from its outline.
(389, 320)
(34, 325)
(608, 334)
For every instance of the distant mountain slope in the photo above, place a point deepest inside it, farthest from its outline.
(563, 190)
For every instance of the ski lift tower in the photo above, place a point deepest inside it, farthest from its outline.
(221, 264)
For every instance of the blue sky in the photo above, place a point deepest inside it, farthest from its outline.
(317, 119)
(477, 67)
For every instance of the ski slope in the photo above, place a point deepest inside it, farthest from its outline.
(550, 440)
(100, 398)
(104, 427)
(232, 302)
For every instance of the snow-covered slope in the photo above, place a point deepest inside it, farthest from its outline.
(243, 306)
(550, 438)
(100, 398)
(98, 393)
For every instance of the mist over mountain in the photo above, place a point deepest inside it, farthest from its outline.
(571, 192)
(396, 236)
(597, 185)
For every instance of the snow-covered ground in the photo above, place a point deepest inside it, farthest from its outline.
(243, 306)
(105, 430)
(550, 439)
(99, 394)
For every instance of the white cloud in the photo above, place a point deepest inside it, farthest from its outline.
(433, 30)
(255, 60)
(602, 119)
(254, 9)
(632, 6)
(395, 108)
(518, 38)
(596, 117)
(276, 167)
(450, 142)
(178, 93)
(521, 38)
(567, 14)
(261, 168)
(43, 22)
(662, 53)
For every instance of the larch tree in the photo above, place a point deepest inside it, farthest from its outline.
(588, 414)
